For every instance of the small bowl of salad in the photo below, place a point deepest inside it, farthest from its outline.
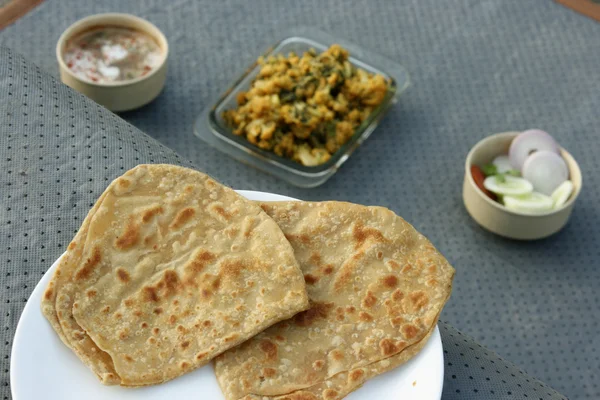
(521, 185)
(118, 60)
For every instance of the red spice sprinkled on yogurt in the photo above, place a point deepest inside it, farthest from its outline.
(112, 54)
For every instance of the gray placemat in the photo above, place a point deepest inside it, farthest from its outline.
(477, 67)
(59, 152)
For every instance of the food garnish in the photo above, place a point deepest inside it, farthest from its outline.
(532, 178)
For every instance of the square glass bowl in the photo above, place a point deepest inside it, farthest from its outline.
(211, 127)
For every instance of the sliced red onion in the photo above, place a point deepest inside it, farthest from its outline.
(502, 164)
(528, 143)
(546, 171)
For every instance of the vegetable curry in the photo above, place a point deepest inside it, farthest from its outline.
(306, 107)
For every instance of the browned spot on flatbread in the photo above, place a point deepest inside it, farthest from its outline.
(231, 268)
(199, 262)
(269, 372)
(388, 347)
(222, 212)
(172, 319)
(407, 268)
(365, 316)
(330, 394)
(432, 282)
(182, 218)
(328, 269)
(361, 234)
(390, 281)
(269, 348)
(171, 281)
(201, 355)
(89, 265)
(356, 375)
(123, 275)
(346, 271)
(150, 294)
(397, 295)
(397, 321)
(128, 358)
(48, 294)
(336, 355)
(304, 239)
(129, 237)
(315, 259)
(184, 365)
(151, 212)
(216, 284)
(185, 344)
(91, 293)
(72, 246)
(369, 300)
(318, 365)
(231, 338)
(418, 299)
(310, 279)
(410, 331)
(317, 311)
(158, 310)
(393, 265)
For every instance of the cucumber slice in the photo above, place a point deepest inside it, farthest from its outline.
(562, 193)
(507, 185)
(532, 203)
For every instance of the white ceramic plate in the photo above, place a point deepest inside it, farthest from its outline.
(42, 367)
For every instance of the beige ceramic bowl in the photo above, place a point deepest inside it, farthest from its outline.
(494, 216)
(116, 96)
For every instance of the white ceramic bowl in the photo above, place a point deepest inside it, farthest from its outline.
(116, 96)
(496, 218)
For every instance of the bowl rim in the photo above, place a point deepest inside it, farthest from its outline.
(564, 152)
(99, 18)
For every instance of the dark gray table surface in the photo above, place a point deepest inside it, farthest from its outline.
(477, 67)
(59, 150)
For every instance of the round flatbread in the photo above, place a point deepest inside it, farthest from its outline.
(168, 270)
(376, 286)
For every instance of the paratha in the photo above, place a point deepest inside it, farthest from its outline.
(169, 269)
(376, 286)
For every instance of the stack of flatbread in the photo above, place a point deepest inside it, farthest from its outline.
(170, 270)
